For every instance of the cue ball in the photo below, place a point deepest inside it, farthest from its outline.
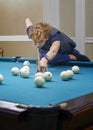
(39, 81)
(64, 75)
(24, 73)
(1, 78)
(47, 76)
(15, 71)
(75, 69)
(26, 63)
(70, 74)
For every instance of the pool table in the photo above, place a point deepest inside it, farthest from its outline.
(58, 105)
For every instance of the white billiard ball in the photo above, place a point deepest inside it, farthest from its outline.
(15, 71)
(26, 63)
(39, 74)
(24, 73)
(39, 81)
(26, 67)
(47, 76)
(70, 74)
(1, 78)
(64, 75)
(75, 69)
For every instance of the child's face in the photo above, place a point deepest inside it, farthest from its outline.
(40, 43)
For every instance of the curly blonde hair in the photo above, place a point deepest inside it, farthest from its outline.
(39, 31)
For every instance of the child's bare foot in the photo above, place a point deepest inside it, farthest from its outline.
(72, 57)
